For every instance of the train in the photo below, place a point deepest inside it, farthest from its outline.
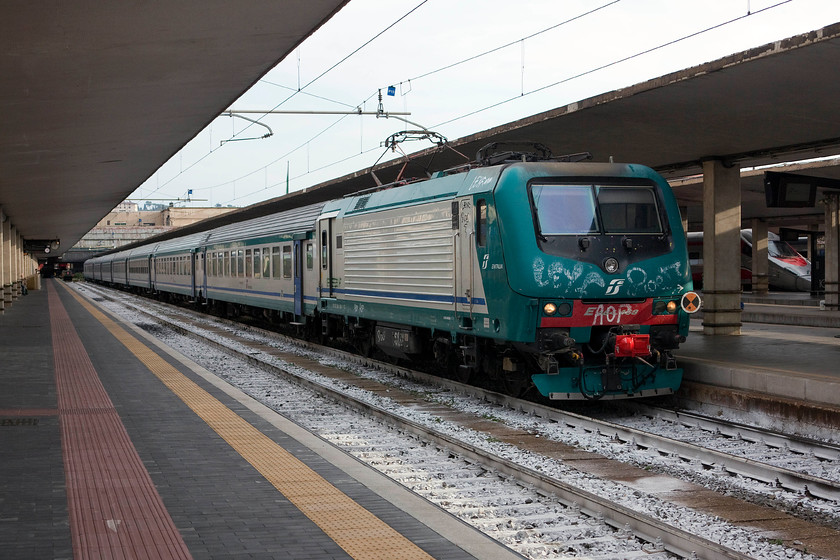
(787, 270)
(568, 278)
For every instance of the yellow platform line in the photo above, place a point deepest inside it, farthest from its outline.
(360, 533)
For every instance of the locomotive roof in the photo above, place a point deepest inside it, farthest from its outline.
(439, 187)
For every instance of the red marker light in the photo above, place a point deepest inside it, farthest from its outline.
(632, 345)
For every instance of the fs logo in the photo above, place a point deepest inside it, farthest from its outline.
(612, 289)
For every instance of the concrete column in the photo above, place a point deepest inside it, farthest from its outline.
(16, 252)
(721, 248)
(2, 260)
(832, 251)
(760, 262)
(7, 262)
(34, 275)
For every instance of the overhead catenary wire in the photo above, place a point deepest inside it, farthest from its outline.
(301, 88)
(340, 62)
(521, 40)
(369, 41)
(565, 80)
(522, 93)
(615, 62)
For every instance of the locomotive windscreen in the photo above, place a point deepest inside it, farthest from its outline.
(592, 209)
(628, 210)
(565, 209)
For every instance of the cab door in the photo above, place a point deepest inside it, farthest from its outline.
(464, 257)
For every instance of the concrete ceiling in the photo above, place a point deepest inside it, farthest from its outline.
(95, 96)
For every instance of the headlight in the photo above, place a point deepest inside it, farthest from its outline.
(611, 265)
(549, 309)
(671, 307)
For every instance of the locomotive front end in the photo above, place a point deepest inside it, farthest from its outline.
(601, 251)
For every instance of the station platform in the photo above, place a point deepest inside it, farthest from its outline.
(116, 447)
(785, 362)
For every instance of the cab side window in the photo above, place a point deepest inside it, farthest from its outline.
(481, 222)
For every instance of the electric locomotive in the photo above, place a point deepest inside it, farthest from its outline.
(563, 276)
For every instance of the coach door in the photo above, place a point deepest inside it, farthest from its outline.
(194, 268)
(298, 276)
(326, 225)
(152, 272)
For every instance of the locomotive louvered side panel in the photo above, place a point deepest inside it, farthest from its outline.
(395, 255)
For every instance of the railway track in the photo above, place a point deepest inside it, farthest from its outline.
(801, 465)
(579, 516)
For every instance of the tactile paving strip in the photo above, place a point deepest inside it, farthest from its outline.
(360, 533)
(115, 510)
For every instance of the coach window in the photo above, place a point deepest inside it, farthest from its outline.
(257, 264)
(249, 264)
(276, 265)
(310, 256)
(240, 263)
(324, 249)
(266, 263)
(481, 222)
(287, 261)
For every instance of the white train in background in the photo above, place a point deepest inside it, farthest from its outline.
(787, 269)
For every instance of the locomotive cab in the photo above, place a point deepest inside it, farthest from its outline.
(601, 250)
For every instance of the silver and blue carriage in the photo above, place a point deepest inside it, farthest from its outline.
(267, 262)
